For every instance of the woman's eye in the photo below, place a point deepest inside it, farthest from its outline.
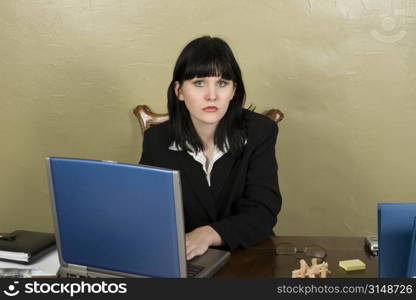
(222, 83)
(199, 83)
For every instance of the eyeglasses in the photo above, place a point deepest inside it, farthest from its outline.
(310, 250)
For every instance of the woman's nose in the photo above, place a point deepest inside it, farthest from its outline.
(211, 93)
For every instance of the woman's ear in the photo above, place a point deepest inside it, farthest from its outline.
(178, 91)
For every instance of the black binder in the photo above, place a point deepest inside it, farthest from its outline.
(22, 242)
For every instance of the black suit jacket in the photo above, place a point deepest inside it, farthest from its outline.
(244, 198)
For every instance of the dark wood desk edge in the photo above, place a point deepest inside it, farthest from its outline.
(332, 242)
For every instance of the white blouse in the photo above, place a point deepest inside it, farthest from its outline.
(200, 157)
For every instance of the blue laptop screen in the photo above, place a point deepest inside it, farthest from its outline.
(114, 216)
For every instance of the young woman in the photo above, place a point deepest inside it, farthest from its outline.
(225, 154)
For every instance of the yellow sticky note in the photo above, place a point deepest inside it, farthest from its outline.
(352, 265)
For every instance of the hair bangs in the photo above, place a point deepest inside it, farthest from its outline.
(209, 66)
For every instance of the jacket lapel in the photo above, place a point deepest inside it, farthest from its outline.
(220, 173)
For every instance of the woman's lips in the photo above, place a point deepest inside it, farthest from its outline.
(210, 108)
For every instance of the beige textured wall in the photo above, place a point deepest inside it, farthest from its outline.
(343, 72)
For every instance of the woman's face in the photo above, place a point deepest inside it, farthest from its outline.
(206, 98)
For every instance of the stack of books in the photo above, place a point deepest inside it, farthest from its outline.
(23, 246)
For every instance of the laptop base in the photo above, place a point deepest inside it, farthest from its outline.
(198, 266)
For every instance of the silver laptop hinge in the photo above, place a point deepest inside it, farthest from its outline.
(78, 269)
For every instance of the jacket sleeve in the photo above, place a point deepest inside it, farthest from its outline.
(146, 158)
(255, 213)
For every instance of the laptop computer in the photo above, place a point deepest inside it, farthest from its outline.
(121, 220)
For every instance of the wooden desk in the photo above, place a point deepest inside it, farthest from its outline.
(262, 261)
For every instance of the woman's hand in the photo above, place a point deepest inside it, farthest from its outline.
(198, 241)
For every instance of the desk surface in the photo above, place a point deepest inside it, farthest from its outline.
(261, 260)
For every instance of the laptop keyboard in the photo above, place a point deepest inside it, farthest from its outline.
(193, 270)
